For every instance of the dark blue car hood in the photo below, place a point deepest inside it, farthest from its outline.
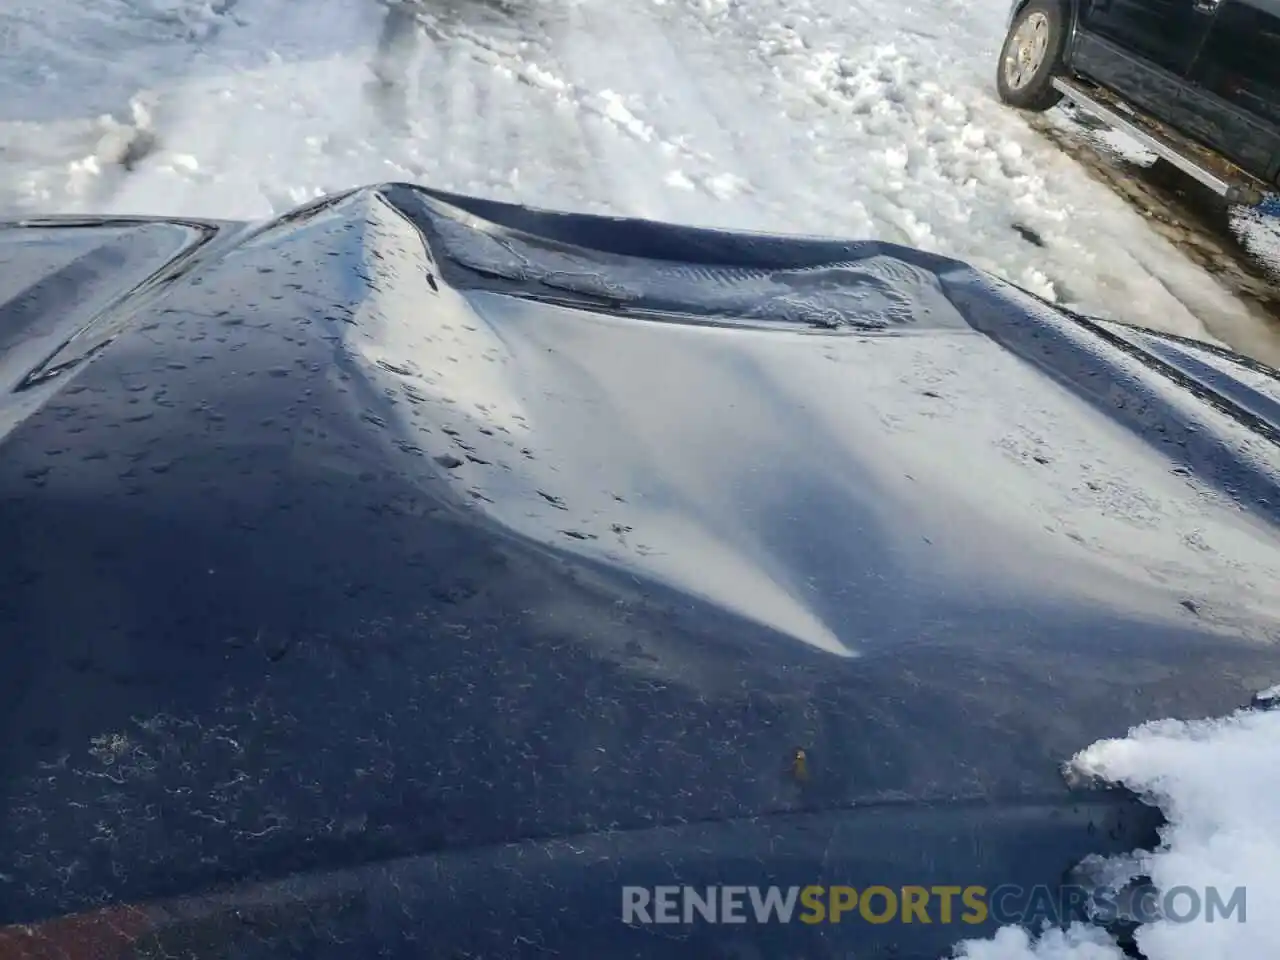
(434, 567)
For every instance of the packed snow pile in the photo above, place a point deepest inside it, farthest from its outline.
(1218, 784)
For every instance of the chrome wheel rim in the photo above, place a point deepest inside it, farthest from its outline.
(1026, 51)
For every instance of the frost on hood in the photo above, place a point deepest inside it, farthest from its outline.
(1218, 784)
(873, 293)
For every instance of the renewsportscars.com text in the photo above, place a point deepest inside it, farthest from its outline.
(970, 905)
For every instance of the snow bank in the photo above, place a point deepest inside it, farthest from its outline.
(1218, 783)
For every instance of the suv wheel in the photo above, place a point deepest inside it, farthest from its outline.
(1032, 55)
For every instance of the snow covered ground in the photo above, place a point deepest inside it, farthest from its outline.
(847, 117)
(857, 118)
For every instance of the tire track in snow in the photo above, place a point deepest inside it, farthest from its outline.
(546, 160)
(570, 150)
(463, 111)
(656, 81)
(467, 83)
(639, 157)
(734, 149)
(448, 101)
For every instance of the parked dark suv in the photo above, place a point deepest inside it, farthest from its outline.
(1197, 81)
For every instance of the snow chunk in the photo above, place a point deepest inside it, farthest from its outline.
(1217, 782)
(678, 179)
(1012, 943)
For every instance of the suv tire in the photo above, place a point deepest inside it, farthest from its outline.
(1032, 55)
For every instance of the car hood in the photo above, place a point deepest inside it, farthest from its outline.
(411, 523)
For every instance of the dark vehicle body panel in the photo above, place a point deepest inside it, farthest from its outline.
(1165, 33)
(1209, 70)
(416, 569)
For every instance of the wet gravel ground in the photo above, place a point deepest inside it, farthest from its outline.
(1193, 218)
